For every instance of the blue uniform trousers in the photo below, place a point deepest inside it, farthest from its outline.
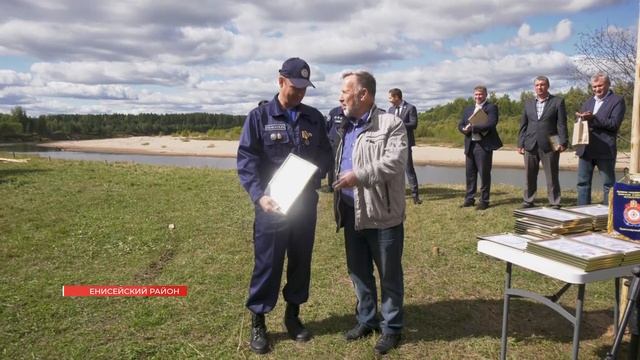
(275, 235)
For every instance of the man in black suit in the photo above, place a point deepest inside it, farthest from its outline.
(542, 137)
(480, 140)
(409, 116)
(334, 122)
(604, 112)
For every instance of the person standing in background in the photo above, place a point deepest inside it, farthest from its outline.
(604, 112)
(334, 121)
(542, 137)
(409, 115)
(480, 140)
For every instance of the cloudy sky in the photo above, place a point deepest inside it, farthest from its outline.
(78, 56)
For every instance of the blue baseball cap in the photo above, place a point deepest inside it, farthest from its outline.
(297, 71)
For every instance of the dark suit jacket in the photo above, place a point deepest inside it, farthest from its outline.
(409, 116)
(490, 140)
(603, 129)
(552, 122)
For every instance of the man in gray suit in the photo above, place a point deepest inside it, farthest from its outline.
(409, 115)
(542, 137)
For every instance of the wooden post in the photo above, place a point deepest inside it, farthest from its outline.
(634, 166)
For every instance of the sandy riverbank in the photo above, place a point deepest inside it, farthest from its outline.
(177, 146)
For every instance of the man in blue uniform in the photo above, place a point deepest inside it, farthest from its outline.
(270, 133)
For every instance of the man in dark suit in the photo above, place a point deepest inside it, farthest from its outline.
(542, 137)
(334, 122)
(409, 116)
(480, 140)
(604, 112)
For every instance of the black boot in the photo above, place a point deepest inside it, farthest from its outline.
(259, 340)
(296, 330)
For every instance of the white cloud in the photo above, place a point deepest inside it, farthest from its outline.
(527, 39)
(223, 55)
(13, 78)
(524, 40)
(104, 72)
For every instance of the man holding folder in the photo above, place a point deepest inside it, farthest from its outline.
(478, 125)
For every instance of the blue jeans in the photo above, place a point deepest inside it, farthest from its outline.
(585, 175)
(384, 248)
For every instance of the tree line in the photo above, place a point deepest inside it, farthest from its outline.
(436, 126)
(19, 126)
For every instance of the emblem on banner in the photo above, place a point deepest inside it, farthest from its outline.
(632, 213)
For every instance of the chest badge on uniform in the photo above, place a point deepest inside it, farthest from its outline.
(306, 136)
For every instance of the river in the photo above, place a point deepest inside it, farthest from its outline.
(427, 174)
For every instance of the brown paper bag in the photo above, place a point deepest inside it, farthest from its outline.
(580, 132)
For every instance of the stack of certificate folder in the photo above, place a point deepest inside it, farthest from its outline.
(599, 213)
(589, 251)
(546, 223)
(508, 239)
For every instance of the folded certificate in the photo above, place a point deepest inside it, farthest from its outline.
(289, 181)
(479, 118)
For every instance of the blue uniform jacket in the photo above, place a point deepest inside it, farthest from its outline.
(268, 137)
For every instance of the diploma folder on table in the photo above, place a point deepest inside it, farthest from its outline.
(289, 180)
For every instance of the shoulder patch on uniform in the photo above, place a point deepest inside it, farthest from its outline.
(275, 127)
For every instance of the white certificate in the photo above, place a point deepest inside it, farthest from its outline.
(289, 181)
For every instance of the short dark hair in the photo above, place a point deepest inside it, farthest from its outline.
(395, 92)
(542, 78)
(364, 79)
(480, 88)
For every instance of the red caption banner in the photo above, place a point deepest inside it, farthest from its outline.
(101, 290)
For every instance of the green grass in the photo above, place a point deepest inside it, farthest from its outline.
(65, 222)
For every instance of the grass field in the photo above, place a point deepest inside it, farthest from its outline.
(64, 222)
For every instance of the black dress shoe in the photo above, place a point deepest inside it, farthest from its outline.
(467, 204)
(482, 206)
(358, 332)
(386, 343)
(259, 341)
(555, 206)
(294, 326)
(527, 205)
(417, 201)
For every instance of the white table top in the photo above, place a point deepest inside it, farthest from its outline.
(549, 267)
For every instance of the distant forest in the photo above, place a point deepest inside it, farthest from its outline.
(19, 126)
(436, 126)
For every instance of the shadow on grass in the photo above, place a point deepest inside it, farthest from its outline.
(439, 193)
(458, 319)
(444, 193)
